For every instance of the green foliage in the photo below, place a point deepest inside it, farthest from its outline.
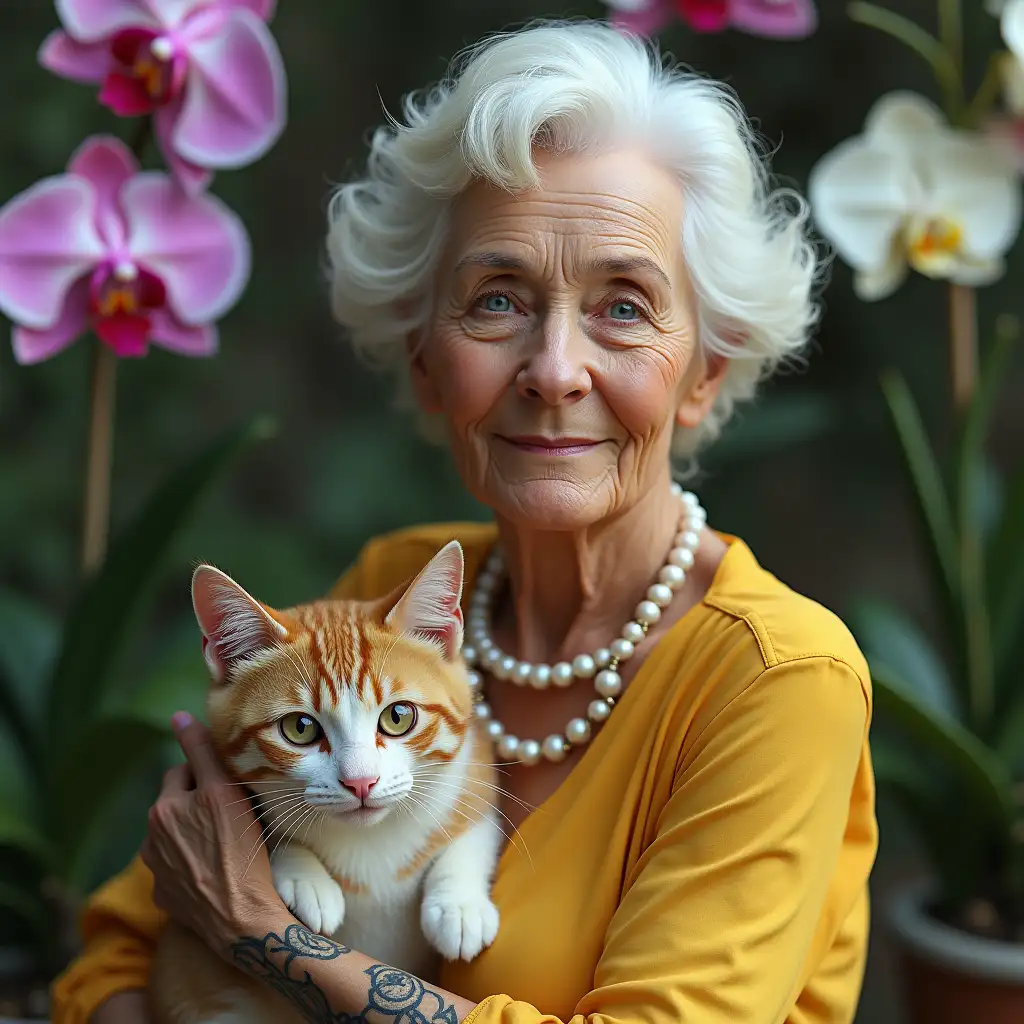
(72, 731)
(954, 752)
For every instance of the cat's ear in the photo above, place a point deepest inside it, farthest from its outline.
(430, 607)
(235, 626)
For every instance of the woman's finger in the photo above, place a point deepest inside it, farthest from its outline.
(194, 738)
(177, 779)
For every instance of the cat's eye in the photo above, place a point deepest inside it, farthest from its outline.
(397, 719)
(300, 729)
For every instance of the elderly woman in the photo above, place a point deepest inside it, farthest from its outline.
(573, 255)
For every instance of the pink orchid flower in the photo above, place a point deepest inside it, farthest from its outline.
(126, 253)
(779, 19)
(208, 70)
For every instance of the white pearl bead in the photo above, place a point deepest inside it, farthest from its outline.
(521, 673)
(492, 656)
(578, 730)
(468, 653)
(676, 489)
(647, 612)
(602, 656)
(683, 557)
(622, 649)
(660, 594)
(485, 584)
(672, 576)
(554, 747)
(688, 539)
(583, 666)
(690, 498)
(482, 710)
(475, 679)
(633, 632)
(598, 710)
(508, 746)
(495, 729)
(505, 667)
(528, 752)
(483, 643)
(561, 674)
(608, 683)
(540, 676)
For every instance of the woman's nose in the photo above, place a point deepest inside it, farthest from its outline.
(555, 370)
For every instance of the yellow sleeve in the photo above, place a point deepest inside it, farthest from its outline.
(717, 922)
(121, 923)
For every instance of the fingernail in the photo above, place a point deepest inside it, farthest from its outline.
(181, 720)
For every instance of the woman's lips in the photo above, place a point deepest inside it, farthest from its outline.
(552, 446)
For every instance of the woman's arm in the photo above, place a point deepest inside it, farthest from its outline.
(330, 983)
(123, 1008)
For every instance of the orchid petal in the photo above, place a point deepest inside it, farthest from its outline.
(47, 241)
(263, 9)
(1012, 75)
(1012, 26)
(978, 273)
(80, 62)
(32, 346)
(704, 15)
(903, 121)
(170, 333)
(173, 12)
(975, 186)
(125, 95)
(859, 195)
(127, 334)
(106, 163)
(92, 20)
(195, 244)
(881, 282)
(192, 179)
(1007, 135)
(781, 19)
(235, 98)
(644, 21)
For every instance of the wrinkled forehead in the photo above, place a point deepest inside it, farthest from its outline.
(592, 210)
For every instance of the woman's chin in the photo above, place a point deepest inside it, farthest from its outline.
(551, 504)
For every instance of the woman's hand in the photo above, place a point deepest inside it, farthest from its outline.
(204, 847)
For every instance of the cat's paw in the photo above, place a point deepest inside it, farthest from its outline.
(307, 889)
(458, 926)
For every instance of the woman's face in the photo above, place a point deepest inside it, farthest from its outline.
(563, 347)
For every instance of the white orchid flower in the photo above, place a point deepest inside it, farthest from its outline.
(1011, 24)
(912, 192)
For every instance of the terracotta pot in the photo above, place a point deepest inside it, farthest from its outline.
(951, 977)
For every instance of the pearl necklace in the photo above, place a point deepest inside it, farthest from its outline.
(602, 666)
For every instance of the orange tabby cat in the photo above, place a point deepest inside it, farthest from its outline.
(352, 723)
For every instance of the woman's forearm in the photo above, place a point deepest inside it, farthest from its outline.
(123, 1008)
(328, 982)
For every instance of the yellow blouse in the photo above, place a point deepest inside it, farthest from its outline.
(705, 862)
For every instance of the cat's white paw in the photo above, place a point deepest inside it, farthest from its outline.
(307, 889)
(457, 925)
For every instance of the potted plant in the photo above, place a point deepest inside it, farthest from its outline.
(938, 191)
(133, 257)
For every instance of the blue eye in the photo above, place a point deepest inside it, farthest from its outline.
(623, 311)
(497, 304)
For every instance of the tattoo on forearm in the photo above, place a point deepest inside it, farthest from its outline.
(392, 996)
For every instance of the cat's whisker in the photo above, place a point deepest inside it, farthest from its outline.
(303, 676)
(441, 777)
(276, 804)
(427, 809)
(260, 796)
(265, 838)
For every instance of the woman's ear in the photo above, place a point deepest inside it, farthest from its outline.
(700, 394)
(428, 397)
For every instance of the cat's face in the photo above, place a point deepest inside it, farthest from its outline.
(338, 707)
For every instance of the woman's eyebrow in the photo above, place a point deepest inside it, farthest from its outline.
(614, 265)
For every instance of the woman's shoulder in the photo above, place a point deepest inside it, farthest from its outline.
(389, 559)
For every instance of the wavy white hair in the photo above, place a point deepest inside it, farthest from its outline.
(571, 87)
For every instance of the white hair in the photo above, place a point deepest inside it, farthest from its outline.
(578, 87)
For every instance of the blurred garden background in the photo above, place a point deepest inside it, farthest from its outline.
(810, 477)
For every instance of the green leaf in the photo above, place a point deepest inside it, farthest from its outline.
(983, 775)
(180, 682)
(888, 636)
(1006, 578)
(97, 624)
(1009, 744)
(28, 646)
(114, 749)
(929, 491)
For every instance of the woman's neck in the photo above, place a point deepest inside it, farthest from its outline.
(572, 591)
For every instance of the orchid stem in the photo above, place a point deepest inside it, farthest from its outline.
(99, 457)
(963, 325)
(951, 34)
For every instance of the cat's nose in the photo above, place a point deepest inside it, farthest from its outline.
(361, 787)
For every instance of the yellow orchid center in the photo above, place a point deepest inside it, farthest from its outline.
(152, 74)
(118, 300)
(934, 245)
